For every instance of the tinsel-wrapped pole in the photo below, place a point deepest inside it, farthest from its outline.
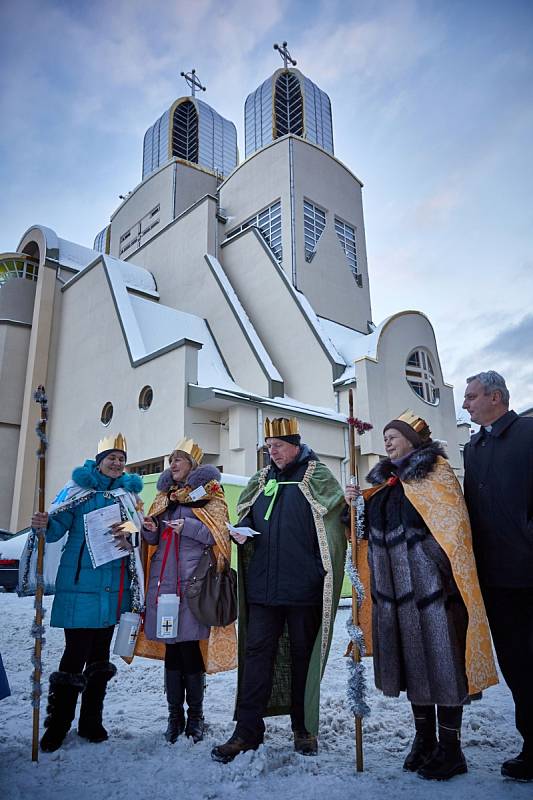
(38, 629)
(356, 650)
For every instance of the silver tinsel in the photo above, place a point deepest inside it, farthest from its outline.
(356, 688)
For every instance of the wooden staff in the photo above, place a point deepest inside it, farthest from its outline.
(356, 655)
(40, 397)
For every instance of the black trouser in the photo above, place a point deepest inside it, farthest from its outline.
(265, 626)
(510, 613)
(84, 646)
(185, 657)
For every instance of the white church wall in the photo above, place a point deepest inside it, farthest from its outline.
(257, 183)
(185, 281)
(135, 213)
(93, 368)
(9, 441)
(271, 306)
(384, 393)
(327, 280)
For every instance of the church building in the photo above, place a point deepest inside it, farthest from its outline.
(221, 292)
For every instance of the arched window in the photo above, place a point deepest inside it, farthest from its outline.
(185, 132)
(288, 106)
(421, 376)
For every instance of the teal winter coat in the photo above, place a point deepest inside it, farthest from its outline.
(86, 597)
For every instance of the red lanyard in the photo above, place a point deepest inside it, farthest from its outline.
(167, 535)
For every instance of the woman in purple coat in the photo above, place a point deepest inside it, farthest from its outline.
(181, 538)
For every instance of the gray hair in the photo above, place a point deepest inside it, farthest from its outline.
(492, 382)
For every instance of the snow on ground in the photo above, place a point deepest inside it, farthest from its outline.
(136, 762)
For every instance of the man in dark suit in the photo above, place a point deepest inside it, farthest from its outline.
(499, 495)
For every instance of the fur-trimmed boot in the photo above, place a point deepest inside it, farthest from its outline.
(425, 740)
(175, 688)
(448, 759)
(194, 692)
(62, 698)
(90, 725)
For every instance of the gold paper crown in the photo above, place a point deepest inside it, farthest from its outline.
(117, 442)
(191, 448)
(418, 424)
(281, 426)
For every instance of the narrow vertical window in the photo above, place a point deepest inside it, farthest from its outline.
(185, 132)
(348, 242)
(288, 106)
(314, 224)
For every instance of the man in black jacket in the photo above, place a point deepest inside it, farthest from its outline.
(499, 495)
(284, 595)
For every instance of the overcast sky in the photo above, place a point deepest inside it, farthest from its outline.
(432, 109)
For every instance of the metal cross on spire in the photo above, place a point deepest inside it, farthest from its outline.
(193, 81)
(284, 53)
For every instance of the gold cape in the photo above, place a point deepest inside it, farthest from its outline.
(219, 652)
(439, 501)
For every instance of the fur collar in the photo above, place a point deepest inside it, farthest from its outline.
(417, 466)
(90, 477)
(196, 477)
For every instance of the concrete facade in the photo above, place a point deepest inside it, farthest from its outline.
(224, 329)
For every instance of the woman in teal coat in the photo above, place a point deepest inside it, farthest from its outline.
(89, 600)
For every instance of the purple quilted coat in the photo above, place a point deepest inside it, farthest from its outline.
(192, 541)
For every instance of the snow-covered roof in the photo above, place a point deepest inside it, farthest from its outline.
(77, 257)
(244, 320)
(345, 340)
(151, 329)
(216, 398)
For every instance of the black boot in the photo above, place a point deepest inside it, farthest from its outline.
(520, 768)
(448, 759)
(175, 688)
(425, 740)
(194, 692)
(304, 742)
(239, 742)
(62, 698)
(90, 725)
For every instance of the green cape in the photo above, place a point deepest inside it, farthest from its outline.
(324, 494)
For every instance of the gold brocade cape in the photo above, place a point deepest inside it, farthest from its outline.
(219, 652)
(439, 500)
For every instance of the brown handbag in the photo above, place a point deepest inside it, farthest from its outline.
(212, 595)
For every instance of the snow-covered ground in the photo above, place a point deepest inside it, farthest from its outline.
(136, 762)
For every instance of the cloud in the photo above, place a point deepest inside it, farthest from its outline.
(514, 342)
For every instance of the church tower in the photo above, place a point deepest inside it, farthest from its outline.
(306, 204)
(192, 131)
(287, 102)
(186, 154)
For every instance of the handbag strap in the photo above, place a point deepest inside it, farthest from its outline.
(168, 534)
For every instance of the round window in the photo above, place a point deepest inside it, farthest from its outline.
(421, 376)
(145, 398)
(107, 414)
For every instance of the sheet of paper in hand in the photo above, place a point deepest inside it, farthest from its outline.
(99, 537)
(243, 531)
(198, 493)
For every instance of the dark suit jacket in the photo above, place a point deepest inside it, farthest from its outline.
(499, 495)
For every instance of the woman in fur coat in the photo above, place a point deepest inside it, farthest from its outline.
(430, 634)
(181, 528)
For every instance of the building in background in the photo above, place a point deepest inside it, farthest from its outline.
(219, 293)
